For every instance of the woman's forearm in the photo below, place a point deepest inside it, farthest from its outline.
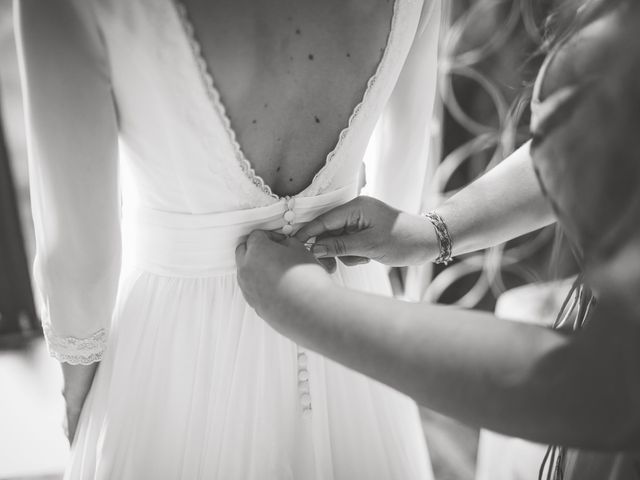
(517, 379)
(503, 204)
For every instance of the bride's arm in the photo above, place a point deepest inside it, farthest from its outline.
(397, 159)
(72, 142)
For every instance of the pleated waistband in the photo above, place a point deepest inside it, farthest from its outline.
(201, 245)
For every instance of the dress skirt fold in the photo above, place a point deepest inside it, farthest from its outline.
(194, 385)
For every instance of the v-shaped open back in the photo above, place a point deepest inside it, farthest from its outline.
(178, 140)
(245, 164)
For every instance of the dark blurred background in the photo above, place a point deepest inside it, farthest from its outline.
(18, 321)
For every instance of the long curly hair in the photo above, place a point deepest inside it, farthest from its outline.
(594, 178)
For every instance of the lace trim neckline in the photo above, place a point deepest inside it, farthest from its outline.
(216, 100)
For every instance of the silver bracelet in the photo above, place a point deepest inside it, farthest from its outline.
(444, 239)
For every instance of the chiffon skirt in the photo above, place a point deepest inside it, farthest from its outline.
(194, 385)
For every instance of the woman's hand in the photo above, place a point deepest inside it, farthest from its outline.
(77, 383)
(366, 228)
(273, 270)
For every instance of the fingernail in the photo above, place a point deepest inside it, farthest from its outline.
(319, 250)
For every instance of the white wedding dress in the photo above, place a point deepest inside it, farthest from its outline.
(192, 384)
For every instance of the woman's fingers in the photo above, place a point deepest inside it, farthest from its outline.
(333, 220)
(254, 240)
(339, 218)
(274, 236)
(329, 264)
(257, 237)
(241, 252)
(348, 248)
(354, 245)
(352, 261)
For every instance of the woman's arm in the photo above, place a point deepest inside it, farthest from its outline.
(72, 141)
(522, 380)
(503, 204)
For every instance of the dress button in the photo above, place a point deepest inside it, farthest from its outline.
(291, 203)
(289, 216)
(303, 387)
(287, 229)
(303, 375)
(302, 360)
(305, 400)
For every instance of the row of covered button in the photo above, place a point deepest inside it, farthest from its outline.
(303, 382)
(289, 216)
(303, 372)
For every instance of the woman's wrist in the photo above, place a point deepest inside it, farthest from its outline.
(444, 239)
(426, 246)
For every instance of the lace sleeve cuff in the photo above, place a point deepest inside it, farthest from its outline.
(73, 350)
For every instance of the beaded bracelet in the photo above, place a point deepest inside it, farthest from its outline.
(446, 244)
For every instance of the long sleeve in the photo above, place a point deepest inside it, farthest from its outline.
(73, 170)
(397, 158)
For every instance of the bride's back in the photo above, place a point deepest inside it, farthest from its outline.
(206, 92)
(289, 73)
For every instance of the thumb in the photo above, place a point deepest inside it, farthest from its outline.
(241, 252)
(292, 242)
(258, 237)
(355, 244)
(336, 219)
